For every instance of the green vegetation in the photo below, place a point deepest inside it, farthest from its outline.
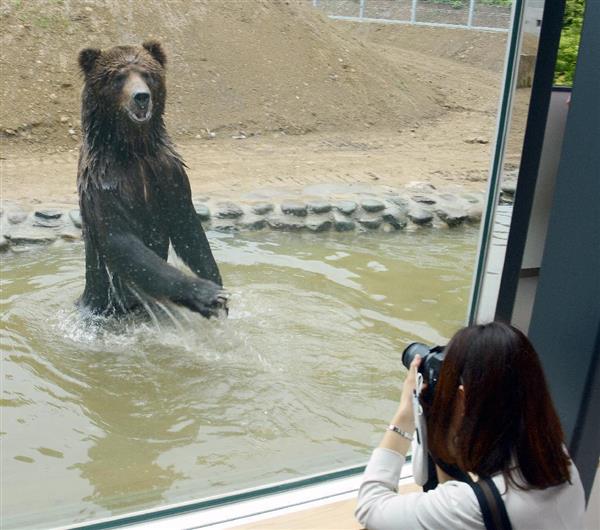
(52, 18)
(569, 43)
(503, 3)
(458, 4)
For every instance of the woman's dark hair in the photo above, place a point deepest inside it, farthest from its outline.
(509, 423)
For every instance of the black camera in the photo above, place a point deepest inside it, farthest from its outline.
(431, 364)
(430, 367)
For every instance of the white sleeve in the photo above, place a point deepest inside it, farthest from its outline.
(451, 505)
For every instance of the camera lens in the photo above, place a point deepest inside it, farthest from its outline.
(413, 349)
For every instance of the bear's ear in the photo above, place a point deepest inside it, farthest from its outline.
(87, 59)
(156, 50)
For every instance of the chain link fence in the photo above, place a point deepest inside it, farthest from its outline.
(491, 15)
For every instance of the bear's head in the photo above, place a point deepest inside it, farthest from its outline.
(125, 83)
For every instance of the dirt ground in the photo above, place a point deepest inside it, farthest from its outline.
(226, 167)
(262, 93)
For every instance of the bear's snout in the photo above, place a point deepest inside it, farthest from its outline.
(142, 99)
(138, 99)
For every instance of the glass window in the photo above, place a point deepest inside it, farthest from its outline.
(569, 43)
(338, 155)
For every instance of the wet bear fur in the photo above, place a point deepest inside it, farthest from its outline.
(134, 193)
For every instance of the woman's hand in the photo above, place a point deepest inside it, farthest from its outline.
(404, 417)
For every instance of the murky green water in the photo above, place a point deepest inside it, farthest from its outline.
(301, 378)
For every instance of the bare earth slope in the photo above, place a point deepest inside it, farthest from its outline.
(252, 65)
(262, 93)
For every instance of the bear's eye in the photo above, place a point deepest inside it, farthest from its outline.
(148, 78)
(120, 77)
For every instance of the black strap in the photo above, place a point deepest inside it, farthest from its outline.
(490, 501)
(450, 469)
(491, 504)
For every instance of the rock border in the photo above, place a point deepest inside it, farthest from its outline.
(418, 206)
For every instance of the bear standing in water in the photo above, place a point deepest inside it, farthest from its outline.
(134, 193)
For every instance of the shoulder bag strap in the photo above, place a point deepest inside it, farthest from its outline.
(491, 504)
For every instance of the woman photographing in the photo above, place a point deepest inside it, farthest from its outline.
(491, 417)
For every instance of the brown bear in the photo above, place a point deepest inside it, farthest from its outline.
(134, 193)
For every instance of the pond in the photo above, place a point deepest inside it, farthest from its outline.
(101, 418)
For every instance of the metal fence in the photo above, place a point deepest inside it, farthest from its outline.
(483, 15)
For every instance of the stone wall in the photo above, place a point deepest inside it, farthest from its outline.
(317, 209)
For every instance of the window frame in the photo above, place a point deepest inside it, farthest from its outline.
(202, 505)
